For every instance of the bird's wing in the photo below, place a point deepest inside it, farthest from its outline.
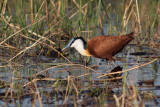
(103, 46)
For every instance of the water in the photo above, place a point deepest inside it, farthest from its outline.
(53, 81)
(56, 92)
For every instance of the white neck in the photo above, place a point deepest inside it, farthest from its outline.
(82, 51)
(79, 46)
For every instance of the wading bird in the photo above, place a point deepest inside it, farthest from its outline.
(104, 47)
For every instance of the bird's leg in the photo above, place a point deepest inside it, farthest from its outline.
(128, 53)
(109, 64)
(112, 60)
(98, 62)
(114, 64)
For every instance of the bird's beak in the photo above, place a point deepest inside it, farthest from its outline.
(68, 45)
(65, 48)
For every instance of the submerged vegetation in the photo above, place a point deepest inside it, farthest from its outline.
(34, 71)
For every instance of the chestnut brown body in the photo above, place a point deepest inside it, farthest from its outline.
(106, 47)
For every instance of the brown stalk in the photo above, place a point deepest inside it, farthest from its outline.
(32, 12)
(59, 8)
(66, 65)
(38, 93)
(128, 17)
(67, 90)
(78, 11)
(139, 22)
(158, 9)
(46, 10)
(42, 79)
(3, 8)
(37, 42)
(123, 98)
(125, 14)
(101, 25)
(50, 46)
(117, 100)
(129, 69)
(23, 28)
(54, 5)
(78, 6)
(76, 89)
(39, 9)
(27, 48)
(34, 100)
(105, 13)
(12, 82)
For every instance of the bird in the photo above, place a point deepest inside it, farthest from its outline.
(103, 47)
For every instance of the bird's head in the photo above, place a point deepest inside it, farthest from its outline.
(75, 43)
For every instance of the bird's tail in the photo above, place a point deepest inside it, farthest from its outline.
(131, 35)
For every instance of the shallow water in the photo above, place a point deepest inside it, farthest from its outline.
(51, 81)
(53, 96)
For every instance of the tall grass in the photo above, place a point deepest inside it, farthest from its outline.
(42, 27)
